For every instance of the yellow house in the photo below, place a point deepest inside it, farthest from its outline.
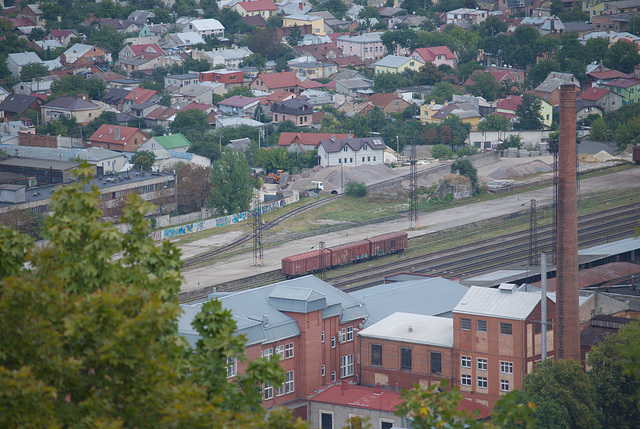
(396, 64)
(593, 7)
(263, 8)
(433, 113)
(507, 107)
(428, 110)
(546, 110)
(316, 22)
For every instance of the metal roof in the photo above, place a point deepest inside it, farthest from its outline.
(614, 248)
(90, 154)
(24, 58)
(394, 61)
(503, 303)
(413, 328)
(433, 296)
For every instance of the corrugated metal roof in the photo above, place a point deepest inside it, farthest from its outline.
(413, 328)
(432, 297)
(497, 303)
(296, 300)
(614, 248)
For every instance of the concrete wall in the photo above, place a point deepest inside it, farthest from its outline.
(490, 139)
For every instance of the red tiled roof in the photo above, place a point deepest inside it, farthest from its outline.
(624, 83)
(309, 84)
(331, 85)
(279, 80)
(606, 74)
(258, 5)
(198, 105)
(382, 100)
(506, 115)
(22, 22)
(60, 33)
(510, 103)
(352, 60)
(334, 36)
(316, 117)
(238, 101)
(430, 54)
(106, 134)
(254, 20)
(279, 95)
(593, 94)
(140, 95)
(307, 138)
(145, 49)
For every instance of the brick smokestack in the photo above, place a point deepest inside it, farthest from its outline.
(567, 327)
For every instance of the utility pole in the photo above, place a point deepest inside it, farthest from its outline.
(258, 251)
(322, 263)
(533, 234)
(413, 191)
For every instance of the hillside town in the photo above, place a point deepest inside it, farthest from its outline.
(221, 112)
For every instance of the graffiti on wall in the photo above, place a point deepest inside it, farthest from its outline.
(220, 221)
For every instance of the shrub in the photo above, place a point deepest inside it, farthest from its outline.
(355, 189)
(441, 152)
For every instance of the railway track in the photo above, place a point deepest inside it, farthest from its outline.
(465, 260)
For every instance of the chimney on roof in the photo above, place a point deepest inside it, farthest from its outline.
(410, 328)
(378, 389)
(300, 5)
(345, 386)
(117, 133)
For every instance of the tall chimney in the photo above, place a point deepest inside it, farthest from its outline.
(568, 330)
(116, 133)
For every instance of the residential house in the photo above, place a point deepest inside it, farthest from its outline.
(161, 116)
(320, 51)
(438, 55)
(308, 324)
(395, 64)
(269, 82)
(412, 22)
(181, 41)
(140, 64)
(62, 36)
(517, 75)
(118, 138)
(277, 96)
(195, 92)
(262, 8)
(15, 105)
(70, 107)
(585, 108)
(139, 96)
(115, 97)
(254, 21)
(50, 45)
(293, 7)
(508, 106)
(307, 66)
(628, 88)
(433, 113)
(366, 46)
(15, 62)
(316, 97)
(549, 89)
(298, 111)
(33, 13)
(304, 142)
(316, 22)
(239, 105)
(120, 25)
(352, 109)
(206, 27)
(81, 55)
(351, 152)
(37, 86)
(405, 349)
(514, 7)
(230, 58)
(147, 50)
(388, 103)
(351, 61)
(139, 111)
(467, 16)
(180, 80)
(141, 17)
(176, 142)
(360, 88)
(227, 77)
(602, 75)
(614, 22)
(603, 97)
(497, 340)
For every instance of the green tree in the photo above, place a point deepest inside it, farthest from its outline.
(143, 160)
(389, 82)
(273, 159)
(441, 152)
(428, 74)
(599, 130)
(616, 387)
(231, 190)
(355, 189)
(529, 116)
(254, 60)
(191, 120)
(493, 25)
(33, 71)
(109, 38)
(495, 122)
(74, 85)
(443, 91)
(464, 167)
(239, 90)
(484, 85)
(295, 36)
(623, 56)
(514, 140)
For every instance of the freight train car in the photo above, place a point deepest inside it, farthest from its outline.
(309, 262)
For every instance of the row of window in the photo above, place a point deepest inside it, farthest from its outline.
(283, 351)
(351, 160)
(344, 335)
(465, 380)
(285, 388)
(481, 364)
(481, 326)
(406, 362)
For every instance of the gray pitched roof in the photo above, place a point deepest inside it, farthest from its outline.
(71, 103)
(92, 154)
(375, 143)
(17, 103)
(500, 302)
(24, 58)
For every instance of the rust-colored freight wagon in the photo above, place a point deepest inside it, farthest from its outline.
(350, 252)
(304, 263)
(391, 242)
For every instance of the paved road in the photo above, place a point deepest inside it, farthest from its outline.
(242, 266)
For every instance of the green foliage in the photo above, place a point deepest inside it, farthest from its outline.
(492, 26)
(254, 60)
(275, 21)
(404, 38)
(443, 91)
(441, 152)
(389, 82)
(192, 120)
(484, 85)
(614, 375)
(295, 36)
(495, 122)
(265, 42)
(239, 90)
(428, 74)
(143, 160)
(32, 71)
(464, 167)
(273, 159)
(355, 189)
(623, 56)
(230, 176)
(529, 116)
(514, 140)
(599, 130)
(74, 85)
(467, 151)
(108, 38)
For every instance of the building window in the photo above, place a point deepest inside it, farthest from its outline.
(333, 342)
(465, 324)
(342, 335)
(350, 333)
(267, 353)
(322, 336)
(482, 382)
(280, 390)
(268, 390)
(232, 367)
(436, 362)
(465, 380)
(346, 366)
(376, 355)
(405, 359)
(504, 385)
(344, 149)
(368, 159)
(351, 160)
(465, 361)
(506, 367)
(280, 352)
(288, 383)
(482, 326)
(333, 376)
(288, 351)
(482, 364)
(506, 329)
(363, 159)
(326, 421)
(374, 159)
(322, 370)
